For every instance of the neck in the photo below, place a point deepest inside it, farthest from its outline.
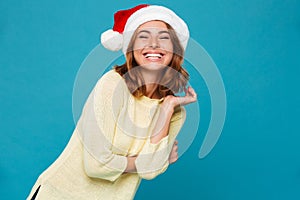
(151, 91)
(152, 79)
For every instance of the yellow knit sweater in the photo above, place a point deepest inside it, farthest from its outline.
(113, 125)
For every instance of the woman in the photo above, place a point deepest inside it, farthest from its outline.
(130, 120)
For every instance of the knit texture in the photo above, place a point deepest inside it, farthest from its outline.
(113, 125)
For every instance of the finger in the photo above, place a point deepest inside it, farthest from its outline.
(192, 95)
(192, 91)
(185, 90)
(174, 158)
(174, 151)
(171, 161)
(175, 148)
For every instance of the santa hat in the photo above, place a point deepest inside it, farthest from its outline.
(127, 21)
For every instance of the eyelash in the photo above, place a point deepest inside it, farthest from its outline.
(143, 37)
(164, 38)
(146, 37)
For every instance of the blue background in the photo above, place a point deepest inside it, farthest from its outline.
(255, 45)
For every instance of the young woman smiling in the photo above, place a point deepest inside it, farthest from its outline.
(130, 120)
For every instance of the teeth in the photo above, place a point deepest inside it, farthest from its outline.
(153, 55)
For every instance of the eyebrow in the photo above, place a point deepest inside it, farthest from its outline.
(146, 31)
(160, 32)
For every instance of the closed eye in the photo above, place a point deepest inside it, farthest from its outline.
(143, 34)
(164, 35)
(143, 37)
(164, 38)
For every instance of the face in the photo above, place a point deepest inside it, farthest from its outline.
(153, 48)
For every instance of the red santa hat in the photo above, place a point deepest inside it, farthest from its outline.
(127, 21)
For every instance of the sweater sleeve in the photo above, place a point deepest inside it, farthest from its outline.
(153, 160)
(97, 128)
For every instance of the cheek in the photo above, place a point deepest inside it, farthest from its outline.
(137, 56)
(138, 45)
(168, 59)
(167, 46)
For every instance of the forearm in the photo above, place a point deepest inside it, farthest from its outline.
(161, 128)
(160, 131)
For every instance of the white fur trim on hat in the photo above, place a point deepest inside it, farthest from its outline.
(112, 40)
(154, 12)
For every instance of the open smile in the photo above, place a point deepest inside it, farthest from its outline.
(153, 56)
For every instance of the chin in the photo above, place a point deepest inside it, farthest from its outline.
(154, 66)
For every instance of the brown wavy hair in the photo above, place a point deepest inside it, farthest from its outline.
(171, 82)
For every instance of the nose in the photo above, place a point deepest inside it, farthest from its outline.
(154, 43)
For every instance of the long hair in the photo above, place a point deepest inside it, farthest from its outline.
(174, 77)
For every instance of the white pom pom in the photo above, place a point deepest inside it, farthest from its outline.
(112, 40)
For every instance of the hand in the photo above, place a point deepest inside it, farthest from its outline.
(172, 101)
(174, 153)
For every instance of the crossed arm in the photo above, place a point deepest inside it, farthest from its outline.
(100, 162)
(161, 129)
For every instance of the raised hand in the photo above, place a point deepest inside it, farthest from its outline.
(170, 101)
